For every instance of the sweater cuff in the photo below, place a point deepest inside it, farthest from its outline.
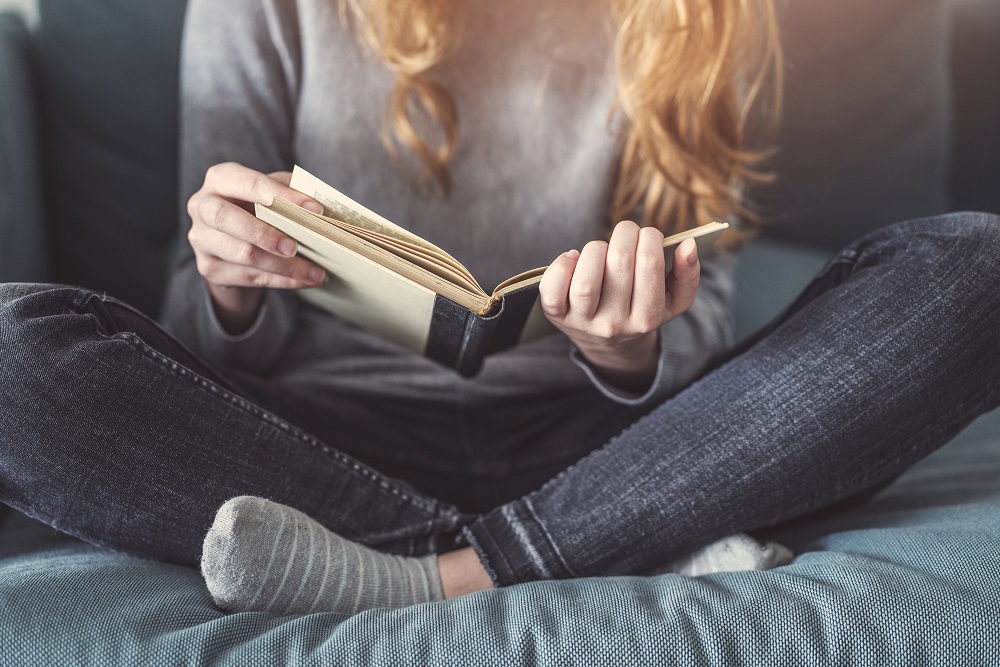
(257, 348)
(657, 390)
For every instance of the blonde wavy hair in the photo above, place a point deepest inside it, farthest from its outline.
(692, 76)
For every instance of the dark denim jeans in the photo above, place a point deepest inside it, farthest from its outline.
(113, 431)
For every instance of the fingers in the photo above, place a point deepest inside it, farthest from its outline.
(226, 217)
(649, 294)
(239, 183)
(232, 250)
(621, 288)
(619, 272)
(682, 283)
(588, 278)
(236, 275)
(232, 245)
(553, 290)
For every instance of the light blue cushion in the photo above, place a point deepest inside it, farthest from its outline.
(909, 578)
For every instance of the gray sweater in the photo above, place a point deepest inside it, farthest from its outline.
(272, 83)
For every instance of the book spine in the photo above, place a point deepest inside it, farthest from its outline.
(458, 337)
(515, 307)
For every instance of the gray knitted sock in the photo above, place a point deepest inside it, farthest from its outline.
(262, 556)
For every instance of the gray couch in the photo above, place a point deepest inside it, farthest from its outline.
(892, 113)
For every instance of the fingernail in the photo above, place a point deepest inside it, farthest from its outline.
(287, 247)
(572, 254)
(693, 257)
(312, 206)
(316, 274)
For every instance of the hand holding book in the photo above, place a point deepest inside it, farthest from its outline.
(236, 253)
(612, 298)
(408, 290)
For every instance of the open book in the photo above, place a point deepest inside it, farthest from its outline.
(393, 282)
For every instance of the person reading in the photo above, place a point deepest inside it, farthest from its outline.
(309, 464)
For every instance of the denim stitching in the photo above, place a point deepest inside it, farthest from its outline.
(270, 419)
(521, 536)
(548, 538)
(481, 554)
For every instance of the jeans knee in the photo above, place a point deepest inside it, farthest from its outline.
(24, 310)
(973, 248)
(970, 240)
(20, 301)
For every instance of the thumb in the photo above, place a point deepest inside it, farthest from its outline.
(682, 282)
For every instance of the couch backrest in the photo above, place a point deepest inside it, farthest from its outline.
(975, 63)
(867, 129)
(22, 232)
(107, 73)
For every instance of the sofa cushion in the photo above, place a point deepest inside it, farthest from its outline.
(110, 114)
(22, 237)
(867, 124)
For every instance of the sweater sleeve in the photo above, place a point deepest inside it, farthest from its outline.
(688, 342)
(240, 66)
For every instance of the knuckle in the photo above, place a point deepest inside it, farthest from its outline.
(255, 187)
(194, 237)
(261, 236)
(550, 305)
(218, 172)
(192, 205)
(607, 329)
(651, 260)
(245, 253)
(619, 260)
(212, 211)
(583, 292)
(207, 266)
(260, 279)
(689, 282)
(648, 322)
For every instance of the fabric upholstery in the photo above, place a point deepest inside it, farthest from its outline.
(975, 69)
(22, 237)
(110, 150)
(770, 274)
(867, 122)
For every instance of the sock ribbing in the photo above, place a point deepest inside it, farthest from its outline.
(262, 556)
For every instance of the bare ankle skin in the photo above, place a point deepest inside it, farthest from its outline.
(462, 573)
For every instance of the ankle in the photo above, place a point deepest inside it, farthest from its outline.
(462, 573)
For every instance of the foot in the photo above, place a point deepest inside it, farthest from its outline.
(262, 556)
(735, 553)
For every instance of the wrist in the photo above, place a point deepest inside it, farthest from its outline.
(629, 365)
(236, 308)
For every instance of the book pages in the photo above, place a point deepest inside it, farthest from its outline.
(340, 206)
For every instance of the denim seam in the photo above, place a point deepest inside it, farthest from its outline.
(553, 548)
(484, 559)
(270, 419)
